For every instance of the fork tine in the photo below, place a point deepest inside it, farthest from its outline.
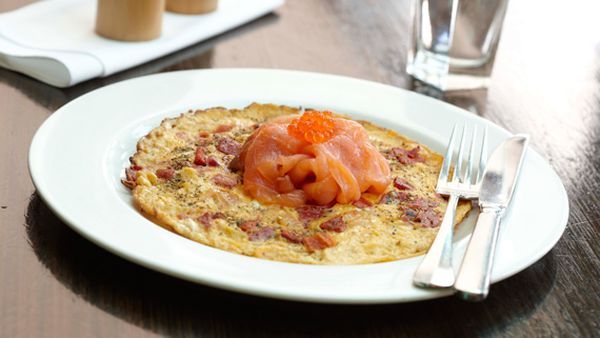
(482, 156)
(443, 177)
(469, 170)
(459, 160)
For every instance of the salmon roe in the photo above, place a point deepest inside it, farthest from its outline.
(313, 126)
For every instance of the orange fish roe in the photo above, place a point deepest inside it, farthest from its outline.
(313, 126)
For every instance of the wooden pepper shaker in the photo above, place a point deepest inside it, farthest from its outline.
(192, 6)
(129, 20)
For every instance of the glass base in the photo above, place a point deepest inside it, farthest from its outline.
(436, 71)
(447, 81)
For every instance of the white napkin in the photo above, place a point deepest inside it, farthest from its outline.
(54, 40)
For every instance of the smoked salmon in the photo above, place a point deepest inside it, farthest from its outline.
(330, 160)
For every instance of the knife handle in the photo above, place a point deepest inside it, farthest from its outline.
(473, 280)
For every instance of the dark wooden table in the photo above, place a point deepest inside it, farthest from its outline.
(546, 82)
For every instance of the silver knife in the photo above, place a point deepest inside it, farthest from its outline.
(497, 187)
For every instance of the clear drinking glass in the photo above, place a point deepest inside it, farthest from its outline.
(455, 41)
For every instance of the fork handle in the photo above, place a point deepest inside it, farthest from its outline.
(473, 281)
(436, 268)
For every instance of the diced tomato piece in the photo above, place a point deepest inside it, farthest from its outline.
(335, 224)
(307, 213)
(402, 184)
(430, 218)
(249, 226)
(362, 203)
(225, 181)
(167, 174)
(207, 218)
(406, 156)
(261, 234)
(223, 128)
(256, 232)
(291, 236)
(212, 162)
(200, 158)
(228, 146)
(318, 241)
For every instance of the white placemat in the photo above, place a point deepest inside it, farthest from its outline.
(54, 40)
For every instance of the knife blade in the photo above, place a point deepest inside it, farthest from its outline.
(497, 188)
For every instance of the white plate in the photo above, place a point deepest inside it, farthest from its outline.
(78, 155)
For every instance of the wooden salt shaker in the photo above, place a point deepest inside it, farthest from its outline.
(192, 6)
(130, 20)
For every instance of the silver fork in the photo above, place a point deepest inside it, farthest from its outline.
(436, 268)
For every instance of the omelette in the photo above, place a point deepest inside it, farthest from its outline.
(270, 182)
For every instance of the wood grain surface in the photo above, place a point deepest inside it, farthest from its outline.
(546, 82)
